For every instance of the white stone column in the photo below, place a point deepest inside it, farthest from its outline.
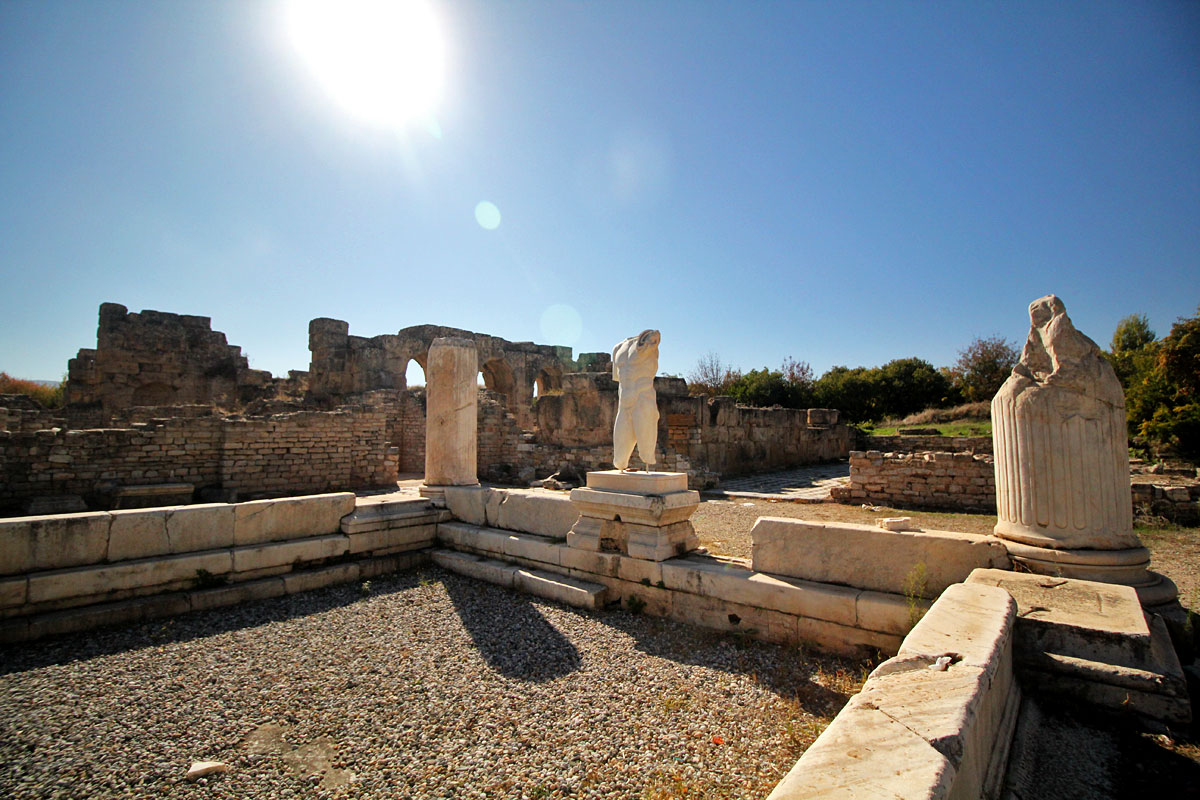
(451, 416)
(1063, 500)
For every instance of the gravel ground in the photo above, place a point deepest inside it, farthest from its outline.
(430, 685)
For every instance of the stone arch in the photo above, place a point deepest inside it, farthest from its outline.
(549, 379)
(498, 377)
(154, 394)
(408, 368)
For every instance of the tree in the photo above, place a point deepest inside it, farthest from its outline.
(1134, 350)
(1168, 397)
(791, 386)
(851, 391)
(983, 367)
(711, 376)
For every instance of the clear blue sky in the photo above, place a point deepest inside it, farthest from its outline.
(843, 183)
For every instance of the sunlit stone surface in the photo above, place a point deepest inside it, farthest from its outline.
(1062, 464)
(635, 362)
(452, 398)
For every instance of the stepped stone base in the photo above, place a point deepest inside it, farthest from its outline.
(1127, 567)
(642, 514)
(1093, 642)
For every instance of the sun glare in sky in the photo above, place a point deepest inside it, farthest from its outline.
(382, 61)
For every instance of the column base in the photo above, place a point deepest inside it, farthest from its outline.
(1129, 567)
(438, 493)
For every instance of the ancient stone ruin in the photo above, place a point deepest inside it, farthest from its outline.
(977, 647)
(164, 400)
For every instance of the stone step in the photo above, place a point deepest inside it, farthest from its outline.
(373, 515)
(1093, 643)
(559, 588)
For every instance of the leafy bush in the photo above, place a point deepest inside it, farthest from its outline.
(47, 396)
(1161, 381)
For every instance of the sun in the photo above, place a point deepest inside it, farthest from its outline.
(382, 61)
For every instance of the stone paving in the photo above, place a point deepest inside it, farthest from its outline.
(809, 484)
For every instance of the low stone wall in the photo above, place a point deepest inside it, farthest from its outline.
(980, 445)
(499, 530)
(307, 451)
(72, 572)
(936, 721)
(940, 481)
(1178, 503)
(25, 420)
(93, 463)
(913, 563)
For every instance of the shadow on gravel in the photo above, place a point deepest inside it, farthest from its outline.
(192, 625)
(818, 683)
(512, 635)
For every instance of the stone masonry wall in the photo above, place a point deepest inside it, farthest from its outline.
(309, 451)
(93, 463)
(941, 481)
(157, 358)
(284, 454)
(981, 445)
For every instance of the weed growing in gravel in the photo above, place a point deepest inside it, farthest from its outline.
(802, 732)
(364, 588)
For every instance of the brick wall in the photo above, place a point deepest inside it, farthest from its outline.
(92, 463)
(308, 451)
(939, 480)
(283, 454)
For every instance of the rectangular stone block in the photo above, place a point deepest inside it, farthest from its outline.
(536, 511)
(561, 589)
(119, 613)
(533, 548)
(99, 580)
(196, 528)
(384, 540)
(889, 613)
(890, 761)
(468, 503)
(1101, 622)
(654, 510)
(898, 562)
(711, 577)
(478, 567)
(274, 554)
(290, 517)
(614, 480)
(220, 596)
(52, 541)
(595, 563)
(13, 592)
(138, 534)
(310, 579)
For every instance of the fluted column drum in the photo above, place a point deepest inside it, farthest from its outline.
(1062, 469)
(1063, 500)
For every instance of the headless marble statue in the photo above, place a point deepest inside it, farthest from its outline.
(635, 363)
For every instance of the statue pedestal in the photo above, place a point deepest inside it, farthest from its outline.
(641, 514)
